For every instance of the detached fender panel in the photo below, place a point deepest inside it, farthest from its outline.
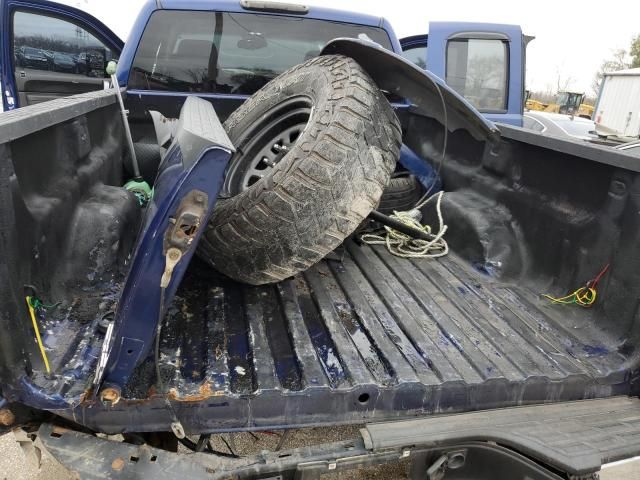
(427, 92)
(187, 186)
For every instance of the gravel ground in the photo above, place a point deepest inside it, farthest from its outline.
(14, 465)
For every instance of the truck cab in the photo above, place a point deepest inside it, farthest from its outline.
(483, 62)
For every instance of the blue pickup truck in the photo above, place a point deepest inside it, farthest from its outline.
(246, 296)
(483, 62)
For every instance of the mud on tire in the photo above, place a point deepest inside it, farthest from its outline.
(323, 185)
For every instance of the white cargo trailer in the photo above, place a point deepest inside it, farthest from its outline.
(617, 110)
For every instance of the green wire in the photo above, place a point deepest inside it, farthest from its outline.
(36, 303)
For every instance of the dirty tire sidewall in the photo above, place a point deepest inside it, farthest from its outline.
(402, 194)
(322, 189)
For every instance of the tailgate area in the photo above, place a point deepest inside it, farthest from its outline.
(368, 336)
(541, 442)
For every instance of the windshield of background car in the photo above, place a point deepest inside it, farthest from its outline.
(230, 52)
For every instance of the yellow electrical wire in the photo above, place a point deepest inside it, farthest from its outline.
(584, 296)
(32, 313)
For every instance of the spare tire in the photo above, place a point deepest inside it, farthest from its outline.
(314, 151)
(402, 194)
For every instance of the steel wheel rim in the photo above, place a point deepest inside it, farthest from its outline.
(267, 143)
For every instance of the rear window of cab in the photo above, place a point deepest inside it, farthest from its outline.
(223, 52)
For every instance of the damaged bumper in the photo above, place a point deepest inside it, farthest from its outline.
(537, 442)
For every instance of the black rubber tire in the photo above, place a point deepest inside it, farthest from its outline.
(148, 154)
(402, 194)
(321, 190)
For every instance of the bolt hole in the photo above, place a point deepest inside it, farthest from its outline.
(55, 435)
(129, 352)
(363, 398)
(153, 458)
(134, 459)
(188, 230)
(456, 461)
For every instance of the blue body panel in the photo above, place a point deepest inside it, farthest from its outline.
(424, 171)
(138, 309)
(436, 42)
(8, 7)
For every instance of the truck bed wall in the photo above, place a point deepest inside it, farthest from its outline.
(546, 211)
(66, 223)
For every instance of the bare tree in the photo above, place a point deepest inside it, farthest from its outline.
(562, 81)
(618, 61)
(634, 51)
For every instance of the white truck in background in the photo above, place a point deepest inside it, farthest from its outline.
(617, 111)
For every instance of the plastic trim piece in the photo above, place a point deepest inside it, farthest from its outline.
(575, 437)
(274, 7)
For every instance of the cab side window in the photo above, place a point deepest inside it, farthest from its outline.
(55, 58)
(417, 55)
(478, 70)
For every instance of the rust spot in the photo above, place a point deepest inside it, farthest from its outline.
(111, 395)
(204, 391)
(87, 395)
(117, 464)
(6, 417)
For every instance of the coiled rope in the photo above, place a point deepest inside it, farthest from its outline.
(405, 246)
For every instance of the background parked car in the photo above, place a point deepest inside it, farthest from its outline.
(32, 57)
(560, 125)
(62, 62)
(90, 63)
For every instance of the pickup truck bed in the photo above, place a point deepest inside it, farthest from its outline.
(368, 336)
(361, 336)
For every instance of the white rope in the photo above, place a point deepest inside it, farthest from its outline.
(405, 246)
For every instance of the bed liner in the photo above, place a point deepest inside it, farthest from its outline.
(368, 336)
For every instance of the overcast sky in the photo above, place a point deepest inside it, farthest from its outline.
(572, 36)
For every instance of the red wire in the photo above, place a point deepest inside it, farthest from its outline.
(594, 282)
